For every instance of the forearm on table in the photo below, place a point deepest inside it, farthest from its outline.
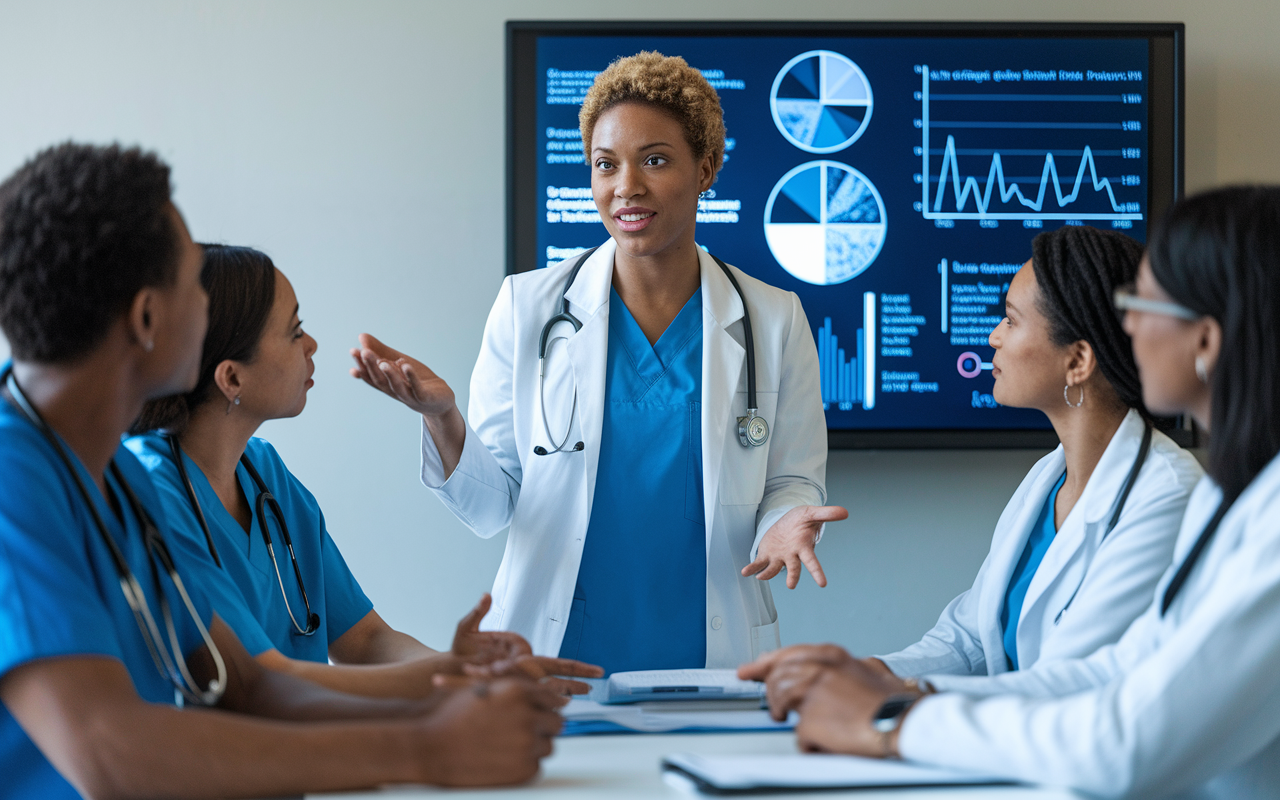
(218, 754)
(406, 679)
(373, 641)
(86, 717)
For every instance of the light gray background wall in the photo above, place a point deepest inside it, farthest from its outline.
(361, 145)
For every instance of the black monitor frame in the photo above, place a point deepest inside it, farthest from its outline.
(1166, 94)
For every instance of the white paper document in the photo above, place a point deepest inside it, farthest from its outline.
(756, 773)
(677, 684)
(587, 717)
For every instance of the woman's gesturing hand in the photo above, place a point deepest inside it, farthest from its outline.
(790, 542)
(402, 377)
(491, 654)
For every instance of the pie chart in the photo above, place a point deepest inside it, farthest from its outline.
(825, 222)
(821, 101)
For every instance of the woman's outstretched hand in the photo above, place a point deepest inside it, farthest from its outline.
(402, 377)
(790, 542)
(413, 383)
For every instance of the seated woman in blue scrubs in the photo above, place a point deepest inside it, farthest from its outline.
(232, 501)
(105, 632)
(1080, 546)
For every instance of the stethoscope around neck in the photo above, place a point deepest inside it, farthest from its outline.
(265, 500)
(753, 430)
(168, 658)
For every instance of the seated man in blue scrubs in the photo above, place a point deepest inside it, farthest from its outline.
(104, 633)
(283, 586)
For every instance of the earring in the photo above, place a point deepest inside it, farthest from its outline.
(231, 403)
(1202, 372)
(1068, 400)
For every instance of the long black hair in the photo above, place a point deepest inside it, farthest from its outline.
(1218, 253)
(1078, 269)
(241, 283)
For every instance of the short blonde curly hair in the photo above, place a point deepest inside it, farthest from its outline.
(668, 83)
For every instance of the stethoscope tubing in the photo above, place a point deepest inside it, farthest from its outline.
(168, 661)
(264, 500)
(545, 340)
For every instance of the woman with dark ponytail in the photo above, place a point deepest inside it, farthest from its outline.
(284, 587)
(1187, 703)
(1079, 548)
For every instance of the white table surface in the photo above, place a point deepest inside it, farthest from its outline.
(626, 767)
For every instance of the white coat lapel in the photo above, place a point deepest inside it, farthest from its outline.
(1005, 555)
(1087, 521)
(722, 359)
(588, 351)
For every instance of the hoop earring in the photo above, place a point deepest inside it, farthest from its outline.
(231, 403)
(1068, 400)
(1202, 372)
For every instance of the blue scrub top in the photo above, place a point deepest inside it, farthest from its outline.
(59, 590)
(640, 600)
(1042, 534)
(247, 593)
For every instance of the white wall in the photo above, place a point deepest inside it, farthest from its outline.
(361, 145)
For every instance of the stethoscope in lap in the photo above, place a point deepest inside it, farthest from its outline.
(168, 658)
(753, 430)
(266, 500)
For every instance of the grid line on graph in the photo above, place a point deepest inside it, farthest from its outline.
(1008, 191)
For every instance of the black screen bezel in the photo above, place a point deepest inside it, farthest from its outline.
(1165, 184)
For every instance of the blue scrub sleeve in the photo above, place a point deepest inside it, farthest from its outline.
(187, 542)
(344, 600)
(49, 599)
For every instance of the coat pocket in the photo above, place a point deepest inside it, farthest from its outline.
(765, 639)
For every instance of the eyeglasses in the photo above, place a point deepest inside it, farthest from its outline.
(1126, 299)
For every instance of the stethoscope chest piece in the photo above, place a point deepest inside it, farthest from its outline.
(753, 431)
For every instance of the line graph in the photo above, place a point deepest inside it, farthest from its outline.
(1000, 196)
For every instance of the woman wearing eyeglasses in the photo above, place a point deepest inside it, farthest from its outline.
(232, 501)
(1187, 703)
(646, 419)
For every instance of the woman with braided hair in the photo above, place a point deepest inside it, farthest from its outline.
(1079, 549)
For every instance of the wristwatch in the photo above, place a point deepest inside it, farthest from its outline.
(889, 716)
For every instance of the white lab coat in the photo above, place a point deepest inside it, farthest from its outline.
(546, 500)
(1110, 575)
(1187, 705)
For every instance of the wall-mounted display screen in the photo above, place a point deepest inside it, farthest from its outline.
(892, 176)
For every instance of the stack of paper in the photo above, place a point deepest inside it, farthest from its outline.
(762, 773)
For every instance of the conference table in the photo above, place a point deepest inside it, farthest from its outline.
(627, 767)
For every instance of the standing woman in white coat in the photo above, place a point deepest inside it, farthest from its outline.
(669, 446)
(1080, 546)
(1187, 703)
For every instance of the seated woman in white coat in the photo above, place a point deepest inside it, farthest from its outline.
(1080, 546)
(1187, 703)
(672, 442)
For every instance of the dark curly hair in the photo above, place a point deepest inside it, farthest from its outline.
(1078, 269)
(664, 82)
(241, 283)
(83, 229)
